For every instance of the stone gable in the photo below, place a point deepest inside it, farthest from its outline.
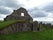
(28, 25)
(16, 15)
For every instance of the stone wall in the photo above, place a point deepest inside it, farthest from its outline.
(17, 27)
(16, 15)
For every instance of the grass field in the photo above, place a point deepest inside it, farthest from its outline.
(43, 35)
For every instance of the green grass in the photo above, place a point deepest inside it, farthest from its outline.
(7, 23)
(44, 35)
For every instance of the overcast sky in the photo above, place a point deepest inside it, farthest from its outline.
(40, 10)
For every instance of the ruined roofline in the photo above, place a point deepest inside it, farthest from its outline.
(23, 9)
(16, 12)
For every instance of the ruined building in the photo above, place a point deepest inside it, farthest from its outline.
(20, 14)
(25, 23)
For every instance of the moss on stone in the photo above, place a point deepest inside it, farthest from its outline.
(6, 23)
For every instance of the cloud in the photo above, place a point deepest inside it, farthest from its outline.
(10, 3)
(48, 7)
(7, 7)
(5, 10)
(33, 3)
(2, 16)
(43, 19)
(36, 12)
(39, 14)
(43, 11)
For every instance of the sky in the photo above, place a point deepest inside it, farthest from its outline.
(40, 10)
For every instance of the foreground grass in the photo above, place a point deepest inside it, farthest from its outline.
(44, 35)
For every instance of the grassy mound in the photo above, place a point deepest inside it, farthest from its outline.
(44, 35)
(6, 23)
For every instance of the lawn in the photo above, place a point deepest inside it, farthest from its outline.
(46, 34)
